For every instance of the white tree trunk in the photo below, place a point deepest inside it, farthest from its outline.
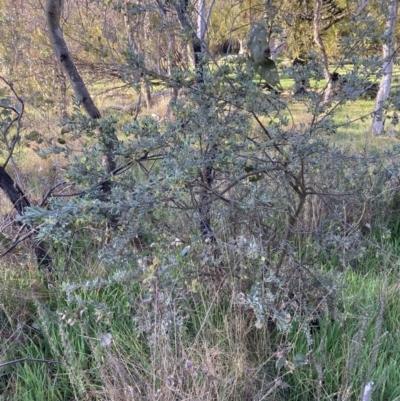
(318, 41)
(377, 126)
(201, 21)
(276, 46)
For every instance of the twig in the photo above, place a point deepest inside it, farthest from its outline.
(26, 236)
(2, 365)
(48, 194)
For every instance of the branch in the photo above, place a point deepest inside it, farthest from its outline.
(18, 118)
(2, 365)
(22, 239)
(53, 14)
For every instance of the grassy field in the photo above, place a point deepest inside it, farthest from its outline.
(200, 345)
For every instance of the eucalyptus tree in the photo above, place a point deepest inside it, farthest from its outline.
(320, 44)
(388, 55)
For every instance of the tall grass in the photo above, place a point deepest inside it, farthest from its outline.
(197, 340)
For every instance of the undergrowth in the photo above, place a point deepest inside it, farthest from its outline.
(112, 334)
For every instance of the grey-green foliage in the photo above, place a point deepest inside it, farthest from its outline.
(283, 193)
(286, 206)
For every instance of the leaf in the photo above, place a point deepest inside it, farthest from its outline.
(65, 129)
(33, 136)
(5, 102)
(194, 284)
(185, 251)
(105, 339)
(61, 141)
(5, 113)
(283, 384)
(255, 178)
(280, 363)
(299, 360)
(5, 241)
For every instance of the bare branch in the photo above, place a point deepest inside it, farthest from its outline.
(2, 365)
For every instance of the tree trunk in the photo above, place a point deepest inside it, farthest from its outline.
(377, 126)
(170, 50)
(276, 47)
(147, 91)
(208, 173)
(63, 94)
(320, 44)
(53, 14)
(201, 22)
(195, 42)
(20, 202)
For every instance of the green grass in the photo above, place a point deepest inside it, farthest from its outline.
(352, 347)
(214, 353)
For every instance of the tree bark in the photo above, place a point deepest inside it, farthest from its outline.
(170, 49)
(20, 202)
(53, 14)
(320, 44)
(207, 174)
(377, 126)
(63, 94)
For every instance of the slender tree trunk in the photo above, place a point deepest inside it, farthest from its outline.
(377, 126)
(53, 14)
(208, 173)
(276, 47)
(147, 91)
(170, 49)
(201, 22)
(135, 48)
(63, 92)
(20, 202)
(195, 43)
(320, 44)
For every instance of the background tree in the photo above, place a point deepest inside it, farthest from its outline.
(388, 55)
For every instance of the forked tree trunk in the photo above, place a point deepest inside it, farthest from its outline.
(377, 126)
